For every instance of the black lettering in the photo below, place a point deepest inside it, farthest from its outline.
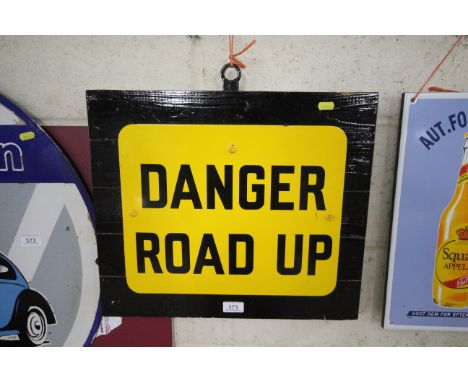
(224, 190)
(185, 177)
(258, 189)
(452, 121)
(313, 248)
(446, 253)
(234, 268)
(185, 251)
(208, 245)
(150, 254)
(146, 169)
(461, 118)
(277, 187)
(439, 126)
(434, 136)
(315, 188)
(281, 256)
(426, 142)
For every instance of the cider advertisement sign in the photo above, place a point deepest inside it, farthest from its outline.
(428, 268)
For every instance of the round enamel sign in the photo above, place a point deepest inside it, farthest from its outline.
(49, 280)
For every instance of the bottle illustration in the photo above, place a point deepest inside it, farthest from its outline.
(450, 284)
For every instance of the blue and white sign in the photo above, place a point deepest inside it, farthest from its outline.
(49, 280)
(428, 268)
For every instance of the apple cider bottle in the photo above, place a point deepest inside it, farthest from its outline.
(450, 285)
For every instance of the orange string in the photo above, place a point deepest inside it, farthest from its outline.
(442, 90)
(437, 68)
(232, 55)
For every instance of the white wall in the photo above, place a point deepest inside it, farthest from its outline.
(48, 76)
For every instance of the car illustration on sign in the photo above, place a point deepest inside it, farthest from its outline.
(24, 312)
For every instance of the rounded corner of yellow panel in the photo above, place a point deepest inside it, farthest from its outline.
(132, 285)
(124, 131)
(330, 287)
(341, 134)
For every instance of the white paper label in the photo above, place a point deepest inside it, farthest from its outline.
(233, 307)
(31, 240)
(108, 324)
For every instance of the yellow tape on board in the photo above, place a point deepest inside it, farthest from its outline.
(326, 106)
(27, 136)
(232, 209)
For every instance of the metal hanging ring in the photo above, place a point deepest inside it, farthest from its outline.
(234, 83)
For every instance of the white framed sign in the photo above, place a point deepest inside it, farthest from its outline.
(428, 268)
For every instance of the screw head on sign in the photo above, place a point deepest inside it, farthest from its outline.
(232, 148)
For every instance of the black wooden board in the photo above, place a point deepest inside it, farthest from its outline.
(110, 111)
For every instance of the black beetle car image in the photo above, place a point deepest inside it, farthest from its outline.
(24, 312)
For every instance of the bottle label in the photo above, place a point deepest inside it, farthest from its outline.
(452, 262)
(463, 175)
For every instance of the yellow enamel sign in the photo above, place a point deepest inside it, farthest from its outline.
(232, 209)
